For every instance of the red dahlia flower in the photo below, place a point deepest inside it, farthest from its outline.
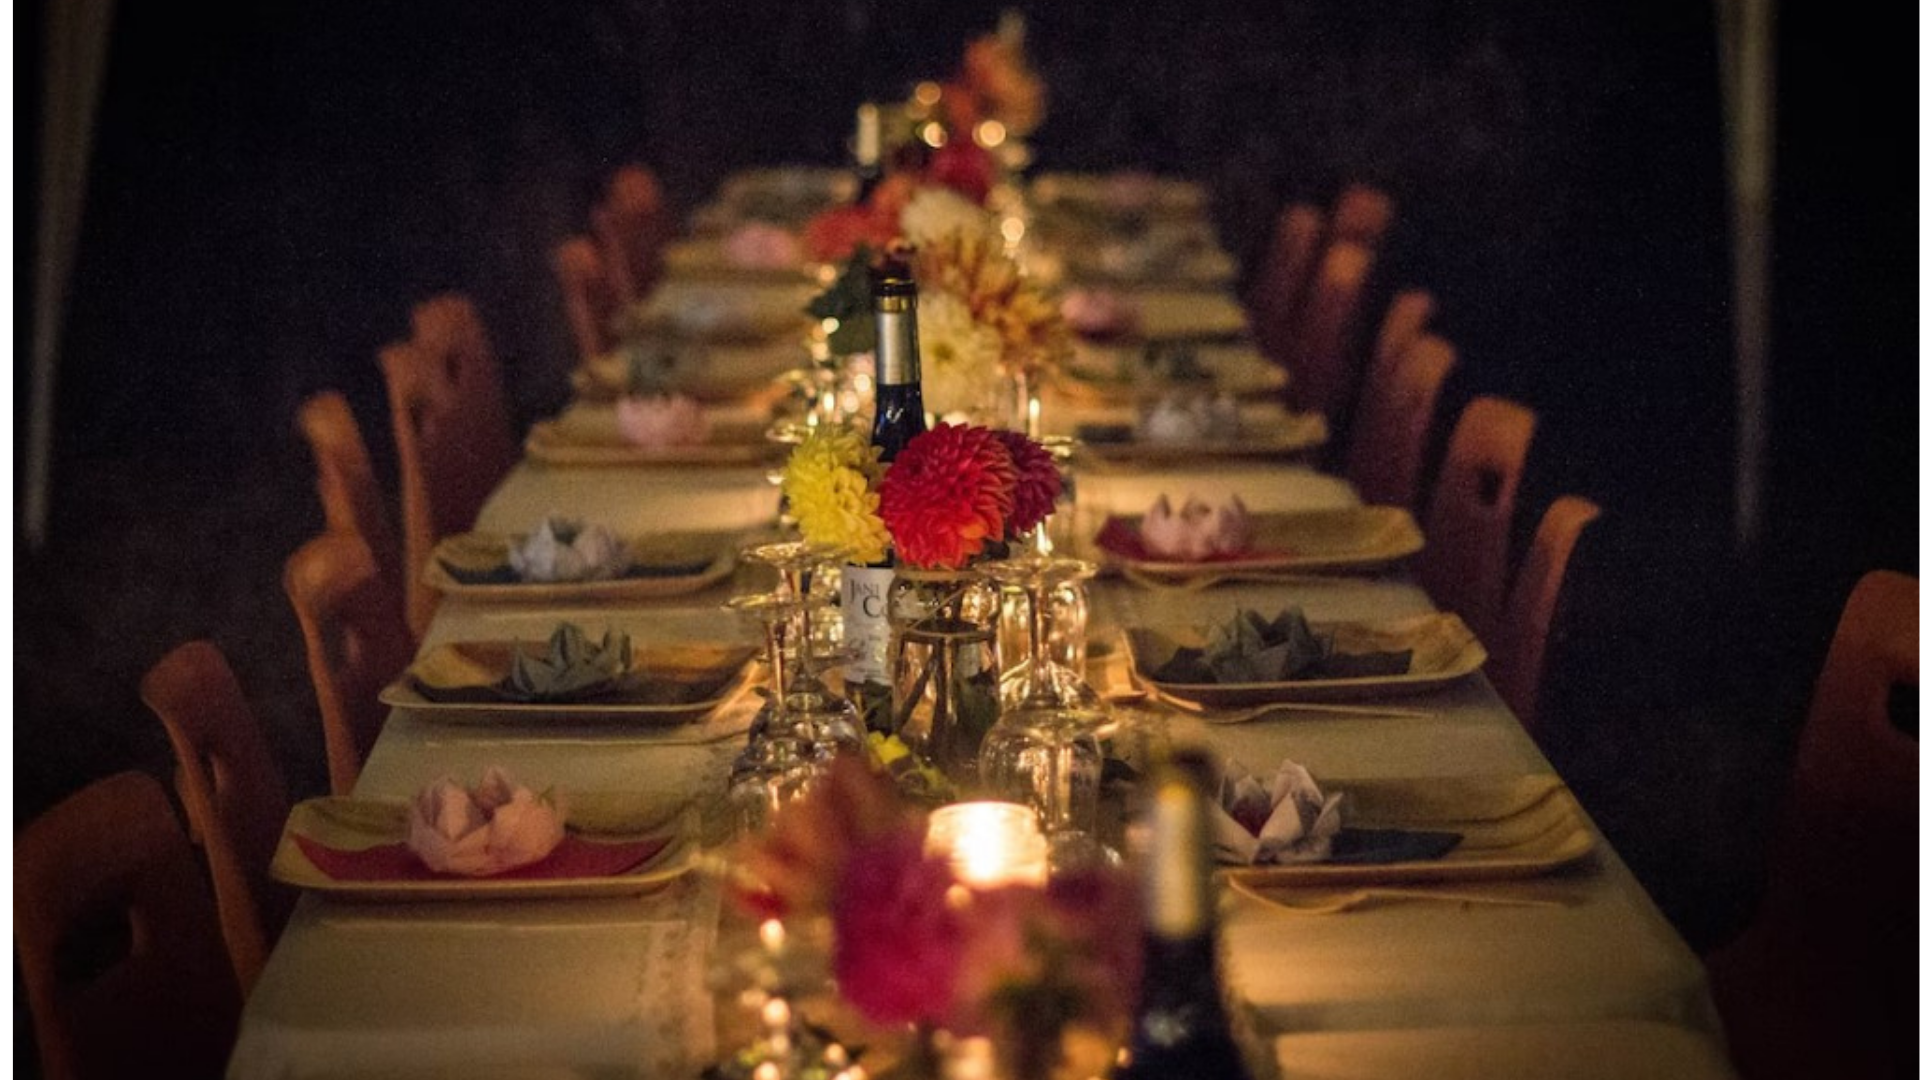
(1037, 485)
(947, 495)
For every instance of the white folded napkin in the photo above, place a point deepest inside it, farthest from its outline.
(494, 827)
(657, 421)
(1297, 822)
(564, 550)
(1182, 419)
(1199, 531)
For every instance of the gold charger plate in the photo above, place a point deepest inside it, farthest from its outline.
(354, 824)
(1120, 374)
(681, 563)
(589, 434)
(1262, 434)
(1510, 827)
(1180, 315)
(1444, 649)
(717, 311)
(668, 684)
(713, 374)
(1344, 538)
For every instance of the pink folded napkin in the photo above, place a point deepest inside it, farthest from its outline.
(1122, 538)
(1199, 531)
(490, 828)
(657, 422)
(1099, 313)
(760, 246)
(571, 858)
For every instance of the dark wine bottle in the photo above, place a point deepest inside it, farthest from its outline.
(867, 169)
(898, 415)
(898, 412)
(1180, 1027)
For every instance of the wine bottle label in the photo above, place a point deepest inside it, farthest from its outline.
(863, 616)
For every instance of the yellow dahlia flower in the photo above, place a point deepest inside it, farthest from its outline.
(829, 485)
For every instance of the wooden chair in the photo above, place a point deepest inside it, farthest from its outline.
(350, 496)
(1469, 520)
(1406, 319)
(631, 224)
(1821, 983)
(1321, 358)
(587, 293)
(1362, 213)
(1393, 422)
(118, 943)
(235, 798)
(451, 433)
(1517, 652)
(356, 640)
(1285, 270)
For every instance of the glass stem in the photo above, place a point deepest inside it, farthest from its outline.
(1040, 687)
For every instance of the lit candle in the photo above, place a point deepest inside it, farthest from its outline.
(990, 843)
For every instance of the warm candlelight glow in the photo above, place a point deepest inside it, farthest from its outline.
(773, 935)
(990, 843)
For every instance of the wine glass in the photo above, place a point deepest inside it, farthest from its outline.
(806, 698)
(1045, 750)
(779, 760)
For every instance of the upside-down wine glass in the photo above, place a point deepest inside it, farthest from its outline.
(1045, 750)
(779, 760)
(833, 720)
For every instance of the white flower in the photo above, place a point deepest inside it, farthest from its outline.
(935, 212)
(959, 358)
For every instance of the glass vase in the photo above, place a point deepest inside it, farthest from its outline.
(946, 674)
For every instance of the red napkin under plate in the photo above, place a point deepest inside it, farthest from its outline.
(1121, 538)
(572, 858)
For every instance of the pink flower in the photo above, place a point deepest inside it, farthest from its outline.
(947, 495)
(897, 941)
(1037, 485)
(795, 867)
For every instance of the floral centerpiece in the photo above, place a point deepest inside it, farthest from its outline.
(1047, 973)
(988, 332)
(955, 494)
(955, 490)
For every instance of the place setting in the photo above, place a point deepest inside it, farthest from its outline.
(565, 559)
(491, 839)
(1206, 543)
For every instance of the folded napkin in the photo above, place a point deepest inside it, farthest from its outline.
(1199, 531)
(1121, 537)
(1283, 818)
(1286, 819)
(1099, 313)
(1251, 648)
(659, 421)
(1184, 419)
(573, 668)
(757, 245)
(495, 826)
(561, 549)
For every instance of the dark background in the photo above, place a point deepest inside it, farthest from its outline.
(271, 191)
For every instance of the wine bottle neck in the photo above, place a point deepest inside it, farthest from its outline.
(1179, 885)
(896, 353)
(866, 137)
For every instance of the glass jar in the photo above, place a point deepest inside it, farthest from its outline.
(945, 664)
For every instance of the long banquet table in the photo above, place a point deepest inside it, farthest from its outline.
(619, 987)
